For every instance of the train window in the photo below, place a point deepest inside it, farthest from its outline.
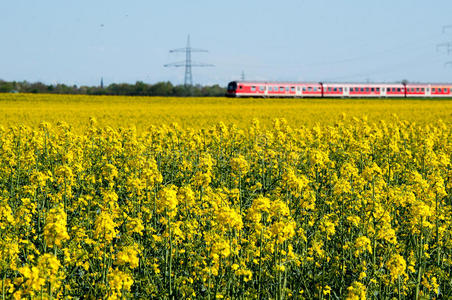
(261, 88)
(270, 89)
(309, 88)
(362, 89)
(367, 89)
(340, 89)
(446, 90)
(351, 89)
(315, 89)
(434, 90)
(372, 90)
(240, 86)
(329, 89)
(253, 88)
(439, 90)
(417, 90)
(428, 89)
(398, 89)
(304, 89)
(422, 89)
(298, 88)
(335, 89)
(292, 89)
(378, 89)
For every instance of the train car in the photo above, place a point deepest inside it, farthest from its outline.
(246, 89)
(311, 89)
(440, 90)
(418, 90)
(393, 90)
(273, 89)
(336, 90)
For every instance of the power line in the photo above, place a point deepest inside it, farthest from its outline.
(188, 64)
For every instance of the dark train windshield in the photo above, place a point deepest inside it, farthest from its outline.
(232, 86)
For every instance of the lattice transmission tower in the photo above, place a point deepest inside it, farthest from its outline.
(188, 63)
(447, 46)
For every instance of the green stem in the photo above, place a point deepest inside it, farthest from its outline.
(3, 286)
(437, 233)
(170, 257)
(419, 274)
(260, 265)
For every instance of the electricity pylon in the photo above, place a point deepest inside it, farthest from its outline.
(188, 64)
(447, 45)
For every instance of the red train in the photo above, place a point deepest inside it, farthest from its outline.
(331, 90)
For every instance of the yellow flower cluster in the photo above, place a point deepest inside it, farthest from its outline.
(55, 230)
(348, 210)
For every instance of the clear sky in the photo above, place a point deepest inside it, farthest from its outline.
(80, 41)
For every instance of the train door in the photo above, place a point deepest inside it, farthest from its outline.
(383, 91)
(298, 91)
(428, 91)
(346, 91)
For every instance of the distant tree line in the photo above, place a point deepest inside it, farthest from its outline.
(138, 89)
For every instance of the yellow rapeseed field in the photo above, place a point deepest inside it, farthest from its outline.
(141, 112)
(120, 197)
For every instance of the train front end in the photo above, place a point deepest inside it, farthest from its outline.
(232, 89)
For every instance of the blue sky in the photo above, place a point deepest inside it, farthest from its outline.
(80, 41)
